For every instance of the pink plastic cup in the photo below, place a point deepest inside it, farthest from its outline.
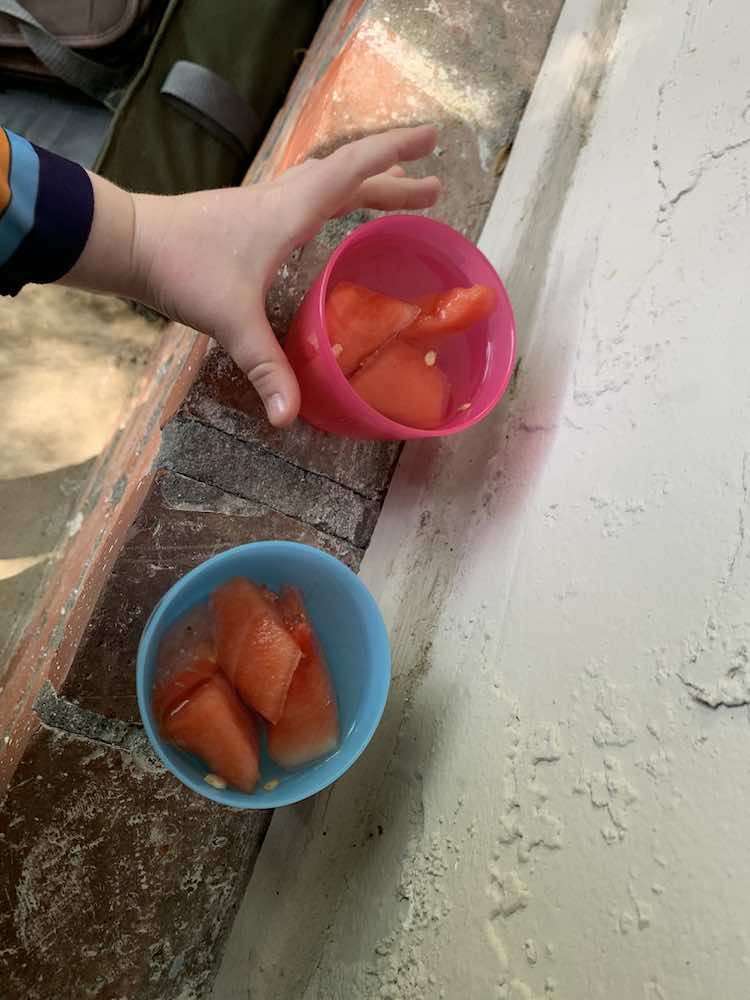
(405, 256)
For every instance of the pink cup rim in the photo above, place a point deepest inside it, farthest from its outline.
(396, 430)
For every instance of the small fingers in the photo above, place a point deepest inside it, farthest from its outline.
(318, 190)
(377, 153)
(391, 192)
(337, 178)
(258, 353)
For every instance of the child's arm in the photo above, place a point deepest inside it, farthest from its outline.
(207, 259)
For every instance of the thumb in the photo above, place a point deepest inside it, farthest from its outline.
(257, 352)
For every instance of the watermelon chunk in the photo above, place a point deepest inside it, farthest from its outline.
(309, 725)
(174, 686)
(187, 656)
(212, 723)
(190, 638)
(254, 649)
(444, 313)
(359, 321)
(403, 383)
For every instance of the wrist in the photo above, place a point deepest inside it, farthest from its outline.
(117, 257)
(151, 220)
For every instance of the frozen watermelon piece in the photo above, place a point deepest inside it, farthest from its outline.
(174, 685)
(444, 313)
(212, 723)
(309, 725)
(254, 648)
(187, 655)
(359, 321)
(190, 638)
(403, 383)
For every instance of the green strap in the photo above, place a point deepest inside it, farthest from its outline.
(101, 83)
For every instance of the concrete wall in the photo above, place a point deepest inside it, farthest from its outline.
(556, 803)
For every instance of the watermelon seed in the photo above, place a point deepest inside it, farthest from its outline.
(273, 783)
(430, 358)
(215, 781)
(463, 408)
(337, 350)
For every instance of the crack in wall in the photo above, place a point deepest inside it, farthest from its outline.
(733, 691)
(707, 159)
(740, 518)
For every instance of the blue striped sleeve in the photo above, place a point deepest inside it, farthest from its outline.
(47, 220)
(23, 180)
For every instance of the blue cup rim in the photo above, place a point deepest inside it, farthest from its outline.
(352, 746)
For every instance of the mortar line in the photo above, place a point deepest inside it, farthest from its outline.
(377, 497)
(261, 503)
(61, 715)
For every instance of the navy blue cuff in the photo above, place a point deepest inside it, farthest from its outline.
(62, 223)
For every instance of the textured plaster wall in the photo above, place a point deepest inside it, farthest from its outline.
(556, 804)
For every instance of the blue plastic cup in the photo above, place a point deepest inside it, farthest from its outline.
(354, 639)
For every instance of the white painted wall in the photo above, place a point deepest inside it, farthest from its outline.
(557, 804)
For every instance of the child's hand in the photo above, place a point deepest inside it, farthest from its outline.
(207, 259)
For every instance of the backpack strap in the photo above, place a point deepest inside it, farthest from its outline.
(101, 83)
(213, 103)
